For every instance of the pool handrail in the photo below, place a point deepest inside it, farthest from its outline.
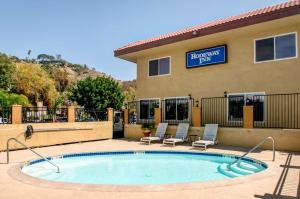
(27, 147)
(258, 145)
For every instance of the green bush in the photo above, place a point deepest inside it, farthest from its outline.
(7, 99)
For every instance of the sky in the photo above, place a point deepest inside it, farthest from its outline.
(88, 31)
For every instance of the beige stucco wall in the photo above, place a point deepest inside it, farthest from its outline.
(100, 130)
(240, 74)
(285, 139)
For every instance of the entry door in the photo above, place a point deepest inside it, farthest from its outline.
(118, 124)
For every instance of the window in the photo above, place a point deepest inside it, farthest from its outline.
(176, 109)
(147, 108)
(159, 66)
(276, 48)
(237, 101)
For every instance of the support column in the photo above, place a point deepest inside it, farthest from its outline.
(196, 116)
(125, 117)
(71, 113)
(157, 116)
(16, 114)
(110, 114)
(248, 117)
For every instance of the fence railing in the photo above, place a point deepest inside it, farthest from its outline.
(177, 110)
(225, 111)
(44, 115)
(269, 111)
(90, 115)
(5, 115)
(276, 111)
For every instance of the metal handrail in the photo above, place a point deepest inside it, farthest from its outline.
(7, 153)
(258, 145)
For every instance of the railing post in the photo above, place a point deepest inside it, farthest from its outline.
(196, 116)
(248, 119)
(125, 112)
(16, 114)
(157, 116)
(71, 114)
(110, 114)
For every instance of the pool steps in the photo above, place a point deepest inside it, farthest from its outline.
(238, 169)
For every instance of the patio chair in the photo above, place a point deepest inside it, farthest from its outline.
(181, 135)
(209, 136)
(159, 135)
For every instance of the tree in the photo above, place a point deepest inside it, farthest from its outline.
(34, 82)
(7, 68)
(63, 78)
(100, 93)
(7, 99)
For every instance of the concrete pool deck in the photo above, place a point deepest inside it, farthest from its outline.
(280, 180)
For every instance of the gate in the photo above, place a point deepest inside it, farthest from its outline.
(118, 128)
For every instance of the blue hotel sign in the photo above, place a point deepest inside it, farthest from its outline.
(207, 56)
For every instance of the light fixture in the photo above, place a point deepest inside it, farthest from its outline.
(197, 103)
(225, 93)
(195, 32)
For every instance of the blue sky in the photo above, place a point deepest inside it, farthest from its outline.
(87, 31)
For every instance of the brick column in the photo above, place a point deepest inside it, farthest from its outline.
(71, 113)
(248, 117)
(196, 116)
(157, 116)
(125, 117)
(110, 114)
(16, 114)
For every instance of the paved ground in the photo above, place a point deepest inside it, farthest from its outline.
(280, 180)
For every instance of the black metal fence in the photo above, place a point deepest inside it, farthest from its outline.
(44, 115)
(5, 115)
(269, 111)
(177, 110)
(225, 111)
(90, 115)
(276, 111)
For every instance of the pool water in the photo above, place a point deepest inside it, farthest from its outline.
(137, 168)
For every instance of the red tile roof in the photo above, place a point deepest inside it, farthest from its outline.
(285, 9)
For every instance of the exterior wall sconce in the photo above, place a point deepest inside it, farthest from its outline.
(197, 103)
(225, 93)
(195, 32)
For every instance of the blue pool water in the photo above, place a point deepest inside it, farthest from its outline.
(137, 168)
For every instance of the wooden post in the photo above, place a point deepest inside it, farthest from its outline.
(157, 116)
(248, 117)
(125, 117)
(16, 114)
(110, 114)
(71, 113)
(196, 116)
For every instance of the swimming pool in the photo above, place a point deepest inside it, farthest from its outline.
(142, 167)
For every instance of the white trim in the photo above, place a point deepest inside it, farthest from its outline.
(242, 94)
(274, 36)
(170, 61)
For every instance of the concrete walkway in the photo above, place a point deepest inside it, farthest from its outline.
(280, 180)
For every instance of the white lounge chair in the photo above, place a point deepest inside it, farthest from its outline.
(159, 135)
(209, 136)
(181, 134)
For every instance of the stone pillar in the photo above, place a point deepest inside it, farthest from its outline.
(110, 114)
(125, 117)
(157, 116)
(16, 114)
(196, 116)
(248, 117)
(71, 113)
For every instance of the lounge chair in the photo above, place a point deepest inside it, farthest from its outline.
(209, 136)
(181, 134)
(159, 135)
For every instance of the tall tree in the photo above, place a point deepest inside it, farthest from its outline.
(7, 68)
(100, 92)
(35, 83)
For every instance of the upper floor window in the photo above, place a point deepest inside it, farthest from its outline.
(276, 48)
(159, 66)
